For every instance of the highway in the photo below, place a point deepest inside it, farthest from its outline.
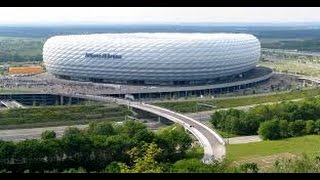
(34, 133)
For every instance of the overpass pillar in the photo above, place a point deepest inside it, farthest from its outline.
(61, 100)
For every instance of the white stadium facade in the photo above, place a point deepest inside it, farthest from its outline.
(151, 58)
(186, 61)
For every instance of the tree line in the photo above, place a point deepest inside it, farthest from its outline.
(128, 148)
(102, 147)
(286, 119)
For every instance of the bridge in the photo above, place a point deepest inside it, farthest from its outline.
(212, 142)
(11, 104)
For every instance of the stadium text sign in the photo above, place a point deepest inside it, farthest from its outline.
(104, 55)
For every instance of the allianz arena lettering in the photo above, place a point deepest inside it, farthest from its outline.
(113, 56)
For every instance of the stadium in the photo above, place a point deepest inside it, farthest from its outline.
(157, 65)
(151, 58)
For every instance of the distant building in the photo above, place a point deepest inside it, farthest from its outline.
(26, 70)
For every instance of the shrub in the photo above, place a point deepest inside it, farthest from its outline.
(48, 135)
(317, 126)
(284, 128)
(310, 127)
(296, 128)
(270, 129)
(249, 168)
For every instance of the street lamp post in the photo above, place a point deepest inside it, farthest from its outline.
(197, 109)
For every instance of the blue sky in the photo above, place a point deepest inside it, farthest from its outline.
(70, 15)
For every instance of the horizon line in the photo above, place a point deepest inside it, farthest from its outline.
(159, 23)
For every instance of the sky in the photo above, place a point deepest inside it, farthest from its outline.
(93, 15)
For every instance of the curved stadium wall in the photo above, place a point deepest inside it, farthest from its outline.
(151, 58)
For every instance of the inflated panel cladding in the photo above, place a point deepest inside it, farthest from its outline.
(152, 56)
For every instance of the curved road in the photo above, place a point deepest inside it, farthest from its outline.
(212, 142)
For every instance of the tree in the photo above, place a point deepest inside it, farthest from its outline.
(144, 136)
(54, 152)
(174, 141)
(250, 124)
(317, 126)
(6, 153)
(145, 164)
(310, 127)
(77, 148)
(130, 128)
(296, 128)
(73, 170)
(71, 131)
(81, 151)
(48, 135)
(194, 165)
(269, 129)
(102, 128)
(31, 154)
(113, 167)
(117, 147)
(232, 125)
(216, 118)
(283, 128)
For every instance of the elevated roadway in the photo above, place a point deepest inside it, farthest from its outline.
(212, 142)
(11, 104)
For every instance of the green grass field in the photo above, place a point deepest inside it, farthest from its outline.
(18, 49)
(309, 145)
(60, 115)
(5, 91)
(187, 106)
(290, 66)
